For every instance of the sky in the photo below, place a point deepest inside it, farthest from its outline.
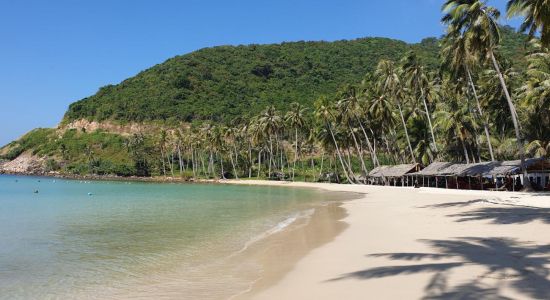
(55, 52)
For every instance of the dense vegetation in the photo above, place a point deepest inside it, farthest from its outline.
(300, 110)
(224, 82)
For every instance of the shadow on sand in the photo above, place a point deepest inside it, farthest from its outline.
(523, 266)
(497, 215)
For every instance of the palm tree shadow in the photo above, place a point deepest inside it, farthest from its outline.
(497, 215)
(522, 265)
(506, 215)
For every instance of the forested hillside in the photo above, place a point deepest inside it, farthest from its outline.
(224, 82)
(259, 108)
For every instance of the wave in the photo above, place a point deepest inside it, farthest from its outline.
(306, 214)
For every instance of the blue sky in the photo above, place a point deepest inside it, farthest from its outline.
(53, 53)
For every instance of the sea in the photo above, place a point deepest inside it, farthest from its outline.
(76, 239)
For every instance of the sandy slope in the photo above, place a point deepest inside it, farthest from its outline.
(405, 243)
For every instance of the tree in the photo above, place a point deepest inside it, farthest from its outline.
(459, 60)
(270, 122)
(536, 14)
(478, 22)
(325, 115)
(416, 80)
(295, 119)
(389, 83)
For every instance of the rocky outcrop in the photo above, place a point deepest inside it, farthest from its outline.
(25, 163)
(113, 127)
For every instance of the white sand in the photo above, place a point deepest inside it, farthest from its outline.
(406, 243)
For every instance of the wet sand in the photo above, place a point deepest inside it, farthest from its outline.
(406, 243)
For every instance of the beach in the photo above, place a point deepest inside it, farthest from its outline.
(406, 243)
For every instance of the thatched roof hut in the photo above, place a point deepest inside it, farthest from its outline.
(481, 169)
(394, 171)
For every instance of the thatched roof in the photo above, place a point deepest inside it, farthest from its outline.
(476, 169)
(393, 171)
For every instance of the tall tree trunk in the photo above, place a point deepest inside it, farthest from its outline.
(295, 152)
(465, 150)
(163, 164)
(259, 162)
(233, 164)
(221, 164)
(359, 152)
(270, 156)
(519, 138)
(193, 162)
(406, 132)
(374, 157)
(180, 160)
(322, 161)
(250, 158)
(339, 154)
(429, 118)
(485, 125)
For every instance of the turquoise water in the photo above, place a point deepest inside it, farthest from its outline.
(77, 239)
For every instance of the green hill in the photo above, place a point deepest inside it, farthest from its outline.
(224, 82)
(217, 84)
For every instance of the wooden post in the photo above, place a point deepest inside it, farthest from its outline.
(446, 183)
(469, 182)
(456, 178)
(481, 181)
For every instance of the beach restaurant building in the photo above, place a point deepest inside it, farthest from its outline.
(393, 175)
(495, 175)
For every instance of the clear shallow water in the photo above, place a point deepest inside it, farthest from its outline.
(135, 239)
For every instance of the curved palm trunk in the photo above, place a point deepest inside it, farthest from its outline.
(295, 152)
(406, 132)
(429, 119)
(526, 182)
(270, 156)
(233, 164)
(464, 149)
(374, 157)
(339, 154)
(485, 125)
(363, 167)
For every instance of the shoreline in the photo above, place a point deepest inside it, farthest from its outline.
(431, 243)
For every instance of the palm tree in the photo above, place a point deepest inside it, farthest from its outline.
(417, 80)
(295, 119)
(351, 108)
(459, 59)
(346, 114)
(324, 114)
(389, 83)
(270, 123)
(455, 121)
(536, 15)
(478, 22)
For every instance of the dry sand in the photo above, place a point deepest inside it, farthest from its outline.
(406, 243)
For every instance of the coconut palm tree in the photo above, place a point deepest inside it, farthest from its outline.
(389, 83)
(460, 60)
(270, 123)
(351, 108)
(478, 22)
(455, 121)
(324, 114)
(536, 15)
(295, 119)
(346, 115)
(416, 80)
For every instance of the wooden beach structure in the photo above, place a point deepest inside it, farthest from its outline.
(393, 175)
(495, 175)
